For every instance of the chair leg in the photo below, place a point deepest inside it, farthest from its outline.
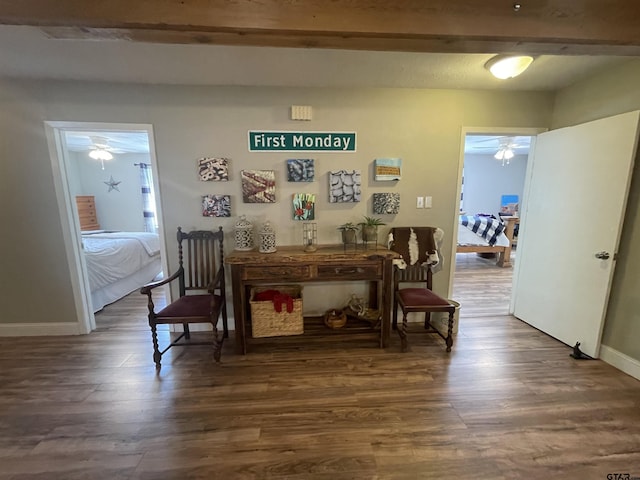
(402, 331)
(156, 351)
(449, 338)
(427, 320)
(187, 333)
(225, 324)
(394, 321)
(217, 342)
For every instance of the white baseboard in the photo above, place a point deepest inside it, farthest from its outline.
(623, 362)
(38, 329)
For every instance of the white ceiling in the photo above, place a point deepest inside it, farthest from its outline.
(489, 144)
(26, 52)
(117, 142)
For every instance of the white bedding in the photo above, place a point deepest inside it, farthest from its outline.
(467, 237)
(119, 262)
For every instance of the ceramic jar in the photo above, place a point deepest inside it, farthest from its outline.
(267, 239)
(244, 234)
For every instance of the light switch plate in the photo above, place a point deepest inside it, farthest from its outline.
(420, 202)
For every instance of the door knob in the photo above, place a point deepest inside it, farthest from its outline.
(602, 255)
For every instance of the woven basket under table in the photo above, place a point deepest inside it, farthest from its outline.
(266, 322)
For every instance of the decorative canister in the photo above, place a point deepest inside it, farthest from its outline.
(244, 234)
(267, 239)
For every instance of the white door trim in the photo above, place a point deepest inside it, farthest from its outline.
(502, 131)
(69, 219)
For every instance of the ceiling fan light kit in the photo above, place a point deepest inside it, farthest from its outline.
(100, 154)
(508, 66)
(100, 150)
(505, 154)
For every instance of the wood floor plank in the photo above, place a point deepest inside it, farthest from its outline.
(507, 403)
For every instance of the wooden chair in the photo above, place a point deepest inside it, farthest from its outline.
(203, 272)
(421, 298)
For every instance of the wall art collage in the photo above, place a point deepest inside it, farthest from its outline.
(259, 186)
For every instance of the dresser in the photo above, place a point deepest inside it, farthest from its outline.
(329, 263)
(86, 206)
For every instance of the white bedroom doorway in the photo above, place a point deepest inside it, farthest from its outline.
(493, 168)
(114, 166)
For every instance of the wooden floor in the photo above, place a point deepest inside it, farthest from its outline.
(507, 403)
(480, 286)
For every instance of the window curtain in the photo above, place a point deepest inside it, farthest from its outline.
(148, 198)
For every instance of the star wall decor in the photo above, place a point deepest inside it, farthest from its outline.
(112, 184)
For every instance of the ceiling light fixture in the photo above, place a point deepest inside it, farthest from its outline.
(505, 154)
(100, 154)
(100, 150)
(508, 66)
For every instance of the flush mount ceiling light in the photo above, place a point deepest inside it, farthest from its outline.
(508, 66)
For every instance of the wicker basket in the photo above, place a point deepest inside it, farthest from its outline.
(267, 322)
(335, 319)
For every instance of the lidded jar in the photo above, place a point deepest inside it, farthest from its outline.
(244, 234)
(267, 238)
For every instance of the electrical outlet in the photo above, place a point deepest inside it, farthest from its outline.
(428, 202)
(420, 202)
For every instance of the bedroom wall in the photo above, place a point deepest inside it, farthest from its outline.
(423, 127)
(612, 92)
(119, 208)
(486, 180)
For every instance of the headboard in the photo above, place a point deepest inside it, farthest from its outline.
(86, 205)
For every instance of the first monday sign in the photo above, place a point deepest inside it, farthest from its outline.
(265, 141)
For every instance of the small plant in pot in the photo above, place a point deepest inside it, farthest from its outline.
(349, 232)
(370, 228)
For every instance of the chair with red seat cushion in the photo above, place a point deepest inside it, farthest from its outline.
(201, 288)
(419, 298)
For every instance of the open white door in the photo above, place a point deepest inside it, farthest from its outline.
(574, 208)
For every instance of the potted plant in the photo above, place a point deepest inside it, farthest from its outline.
(349, 231)
(370, 228)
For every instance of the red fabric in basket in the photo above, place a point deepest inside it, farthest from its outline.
(277, 298)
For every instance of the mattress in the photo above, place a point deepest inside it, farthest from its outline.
(119, 262)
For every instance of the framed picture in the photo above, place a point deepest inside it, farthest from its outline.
(304, 206)
(258, 186)
(386, 203)
(345, 186)
(213, 169)
(300, 170)
(387, 169)
(216, 206)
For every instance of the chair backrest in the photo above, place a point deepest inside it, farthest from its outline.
(415, 274)
(201, 257)
(419, 272)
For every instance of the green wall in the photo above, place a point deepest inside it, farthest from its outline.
(423, 127)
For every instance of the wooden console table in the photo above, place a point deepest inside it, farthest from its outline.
(330, 263)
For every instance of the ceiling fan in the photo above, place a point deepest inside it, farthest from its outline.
(100, 149)
(504, 150)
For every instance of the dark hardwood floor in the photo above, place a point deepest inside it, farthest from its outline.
(507, 403)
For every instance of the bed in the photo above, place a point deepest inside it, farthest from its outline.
(119, 263)
(497, 238)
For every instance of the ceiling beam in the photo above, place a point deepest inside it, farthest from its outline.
(575, 27)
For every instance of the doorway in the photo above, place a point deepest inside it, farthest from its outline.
(113, 165)
(492, 178)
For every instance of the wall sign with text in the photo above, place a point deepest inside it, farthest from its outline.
(268, 141)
